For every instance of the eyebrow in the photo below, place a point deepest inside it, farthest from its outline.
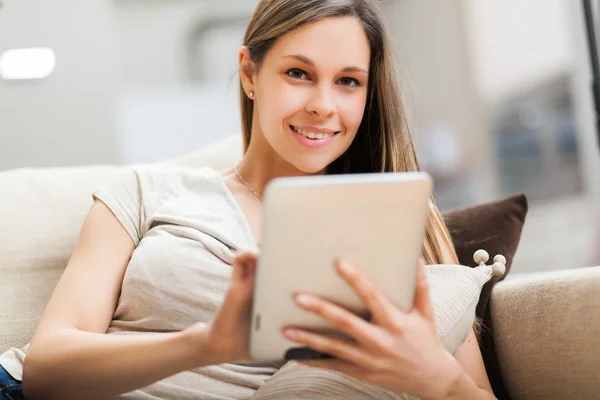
(308, 61)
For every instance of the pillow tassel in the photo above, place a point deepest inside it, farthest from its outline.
(497, 269)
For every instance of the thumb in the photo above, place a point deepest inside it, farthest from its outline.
(422, 301)
(244, 266)
(241, 286)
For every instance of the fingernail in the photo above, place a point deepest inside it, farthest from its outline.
(290, 334)
(344, 266)
(304, 300)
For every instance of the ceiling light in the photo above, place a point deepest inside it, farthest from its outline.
(21, 64)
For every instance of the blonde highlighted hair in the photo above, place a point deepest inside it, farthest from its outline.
(383, 142)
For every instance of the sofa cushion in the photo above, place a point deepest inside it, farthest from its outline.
(547, 334)
(220, 155)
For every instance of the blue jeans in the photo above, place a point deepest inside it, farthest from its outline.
(10, 388)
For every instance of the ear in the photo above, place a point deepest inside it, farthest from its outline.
(247, 70)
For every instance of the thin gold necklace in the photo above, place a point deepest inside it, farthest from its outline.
(244, 182)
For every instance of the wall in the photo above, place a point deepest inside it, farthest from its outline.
(433, 52)
(66, 119)
(584, 106)
(108, 52)
(515, 44)
(112, 51)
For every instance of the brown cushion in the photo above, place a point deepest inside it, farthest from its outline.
(495, 227)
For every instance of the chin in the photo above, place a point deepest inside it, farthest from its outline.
(314, 171)
(311, 166)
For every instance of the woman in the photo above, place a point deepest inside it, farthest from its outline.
(148, 306)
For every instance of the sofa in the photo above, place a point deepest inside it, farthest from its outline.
(545, 327)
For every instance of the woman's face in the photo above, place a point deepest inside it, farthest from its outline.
(311, 92)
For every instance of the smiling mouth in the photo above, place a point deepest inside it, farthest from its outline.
(313, 135)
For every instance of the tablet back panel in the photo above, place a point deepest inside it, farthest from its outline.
(375, 221)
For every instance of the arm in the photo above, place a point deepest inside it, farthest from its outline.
(98, 366)
(466, 389)
(472, 382)
(70, 347)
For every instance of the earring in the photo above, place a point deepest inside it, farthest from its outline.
(251, 94)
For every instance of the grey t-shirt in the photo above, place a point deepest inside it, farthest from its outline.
(187, 228)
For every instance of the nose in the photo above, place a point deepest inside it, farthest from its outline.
(321, 102)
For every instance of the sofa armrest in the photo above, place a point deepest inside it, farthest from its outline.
(547, 334)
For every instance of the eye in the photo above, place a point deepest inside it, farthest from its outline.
(296, 73)
(349, 82)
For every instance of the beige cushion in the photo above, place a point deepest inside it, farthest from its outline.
(547, 334)
(454, 291)
(42, 212)
(221, 155)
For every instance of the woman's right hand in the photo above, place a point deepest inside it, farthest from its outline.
(227, 338)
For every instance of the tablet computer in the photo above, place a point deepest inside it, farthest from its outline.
(375, 221)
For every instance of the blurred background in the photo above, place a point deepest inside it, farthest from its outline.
(497, 91)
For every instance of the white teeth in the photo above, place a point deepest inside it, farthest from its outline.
(313, 135)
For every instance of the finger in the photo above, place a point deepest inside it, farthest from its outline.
(352, 325)
(344, 367)
(338, 348)
(380, 307)
(244, 265)
(422, 301)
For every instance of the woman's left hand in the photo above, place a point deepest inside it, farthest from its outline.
(396, 350)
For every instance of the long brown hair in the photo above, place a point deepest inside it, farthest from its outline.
(383, 142)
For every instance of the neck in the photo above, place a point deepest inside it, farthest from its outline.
(261, 163)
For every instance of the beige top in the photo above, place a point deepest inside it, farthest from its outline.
(187, 228)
